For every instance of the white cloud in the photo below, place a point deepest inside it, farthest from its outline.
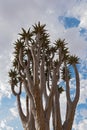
(77, 45)
(4, 91)
(83, 90)
(83, 113)
(81, 126)
(79, 10)
(4, 126)
(14, 111)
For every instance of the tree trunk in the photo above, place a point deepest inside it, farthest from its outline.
(26, 128)
(41, 125)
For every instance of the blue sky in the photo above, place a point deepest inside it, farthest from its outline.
(64, 19)
(69, 22)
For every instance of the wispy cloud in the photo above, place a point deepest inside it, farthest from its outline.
(3, 125)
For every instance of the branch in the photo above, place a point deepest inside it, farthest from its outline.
(75, 101)
(22, 116)
(42, 76)
(56, 103)
(69, 121)
(54, 83)
(13, 90)
(57, 123)
(57, 110)
(35, 65)
(71, 106)
(30, 82)
(21, 58)
(53, 115)
(67, 86)
(30, 96)
(28, 61)
(26, 87)
(27, 108)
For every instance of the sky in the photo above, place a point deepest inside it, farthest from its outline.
(65, 19)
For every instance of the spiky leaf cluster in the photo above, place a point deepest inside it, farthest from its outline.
(26, 34)
(60, 46)
(73, 60)
(41, 35)
(13, 75)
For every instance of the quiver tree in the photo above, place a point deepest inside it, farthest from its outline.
(38, 68)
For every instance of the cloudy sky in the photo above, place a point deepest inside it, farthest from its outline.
(64, 19)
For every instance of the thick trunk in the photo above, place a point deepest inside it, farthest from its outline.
(26, 128)
(30, 125)
(41, 125)
(40, 121)
(39, 117)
